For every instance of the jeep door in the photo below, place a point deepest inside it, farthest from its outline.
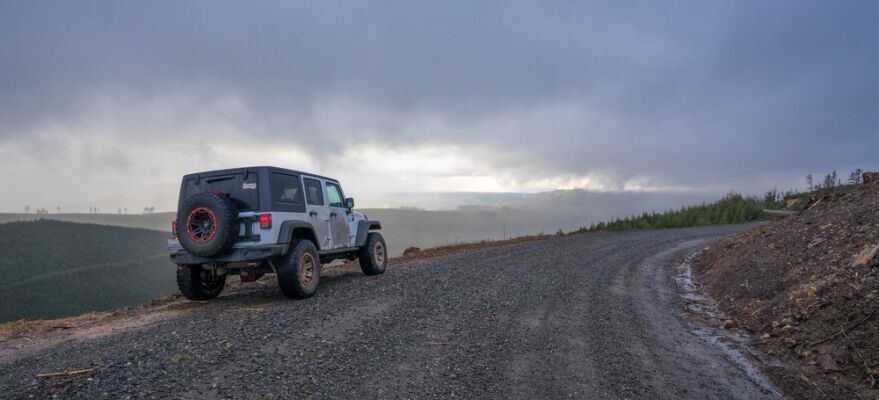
(338, 216)
(317, 211)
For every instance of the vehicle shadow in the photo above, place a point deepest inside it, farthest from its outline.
(266, 291)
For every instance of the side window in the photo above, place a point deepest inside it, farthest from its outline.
(313, 193)
(286, 189)
(334, 195)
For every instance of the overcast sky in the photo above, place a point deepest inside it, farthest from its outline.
(111, 102)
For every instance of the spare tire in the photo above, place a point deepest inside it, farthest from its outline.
(207, 224)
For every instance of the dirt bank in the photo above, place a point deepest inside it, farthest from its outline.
(808, 286)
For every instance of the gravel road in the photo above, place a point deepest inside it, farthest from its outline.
(587, 316)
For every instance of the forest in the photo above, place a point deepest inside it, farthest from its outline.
(732, 209)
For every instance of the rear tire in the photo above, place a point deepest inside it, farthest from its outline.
(195, 283)
(299, 270)
(374, 254)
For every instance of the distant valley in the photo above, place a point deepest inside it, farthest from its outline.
(486, 217)
(53, 269)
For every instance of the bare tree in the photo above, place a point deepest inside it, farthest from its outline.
(830, 181)
(810, 182)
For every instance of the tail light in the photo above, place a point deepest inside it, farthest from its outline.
(265, 221)
(174, 228)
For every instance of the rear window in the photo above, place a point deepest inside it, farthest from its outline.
(286, 189)
(240, 187)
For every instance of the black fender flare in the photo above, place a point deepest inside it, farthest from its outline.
(288, 227)
(363, 228)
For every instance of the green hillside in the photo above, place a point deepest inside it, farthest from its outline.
(54, 269)
(157, 221)
(732, 209)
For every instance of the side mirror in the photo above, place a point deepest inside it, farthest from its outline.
(349, 203)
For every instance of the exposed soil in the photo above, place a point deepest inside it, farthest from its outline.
(808, 286)
(582, 316)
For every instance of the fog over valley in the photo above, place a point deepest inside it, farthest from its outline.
(481, 217)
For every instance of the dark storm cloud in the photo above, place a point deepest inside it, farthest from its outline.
(683, 93)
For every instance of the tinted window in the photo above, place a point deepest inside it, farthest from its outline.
(334, 195)
(240, 187)
(313, 193)
(286, 189)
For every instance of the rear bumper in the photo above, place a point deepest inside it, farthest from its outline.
(244, 254)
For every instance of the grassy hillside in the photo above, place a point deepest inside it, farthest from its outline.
(54, 269)
(157, 221)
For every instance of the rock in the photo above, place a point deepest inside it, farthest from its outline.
(729, 324)
(866, 255)
(827, 363)
(816, 242)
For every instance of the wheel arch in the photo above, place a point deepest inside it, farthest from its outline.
(363, 228)
(294, 230)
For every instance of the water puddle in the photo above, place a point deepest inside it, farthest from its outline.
(709, 319)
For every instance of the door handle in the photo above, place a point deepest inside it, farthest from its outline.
(312, 213)
(333, 215)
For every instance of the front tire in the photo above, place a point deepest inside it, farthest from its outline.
(374, 254)
(299, 270)
(196, 283)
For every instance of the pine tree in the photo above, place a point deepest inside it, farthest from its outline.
(830, 181)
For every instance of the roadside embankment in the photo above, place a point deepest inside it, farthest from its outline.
(808, 287)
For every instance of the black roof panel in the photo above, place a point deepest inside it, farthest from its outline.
(239, 170)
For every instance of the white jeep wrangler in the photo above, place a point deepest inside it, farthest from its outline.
(258, 220)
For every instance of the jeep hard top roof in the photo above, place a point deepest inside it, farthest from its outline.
(242, 170)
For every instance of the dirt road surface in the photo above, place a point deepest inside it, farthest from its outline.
(585, 316)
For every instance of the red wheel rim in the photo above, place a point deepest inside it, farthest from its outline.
(201, 224)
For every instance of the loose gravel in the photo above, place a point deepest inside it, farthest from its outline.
(585, 316)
